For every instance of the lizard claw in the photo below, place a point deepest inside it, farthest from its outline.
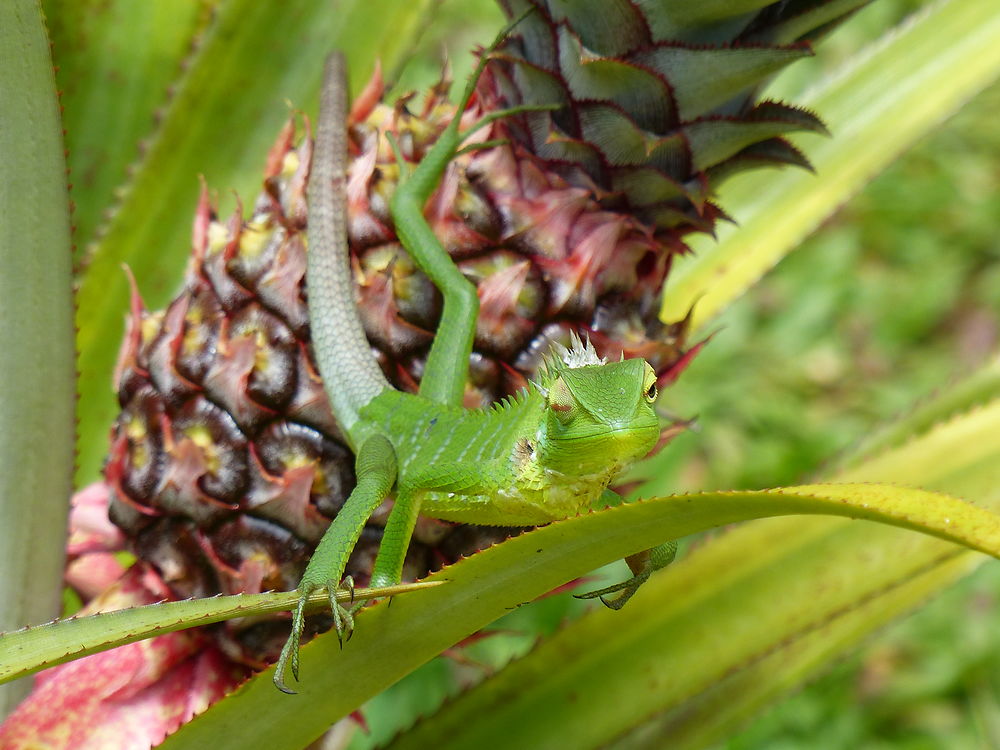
(290, 651)
(343, 616)
(343, 622)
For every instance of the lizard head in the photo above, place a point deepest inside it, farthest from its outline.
(599, 416)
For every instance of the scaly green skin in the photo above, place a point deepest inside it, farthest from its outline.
(522, 463)
(548, 453)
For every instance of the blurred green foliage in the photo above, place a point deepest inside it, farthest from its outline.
(931, 681)
(910, 301)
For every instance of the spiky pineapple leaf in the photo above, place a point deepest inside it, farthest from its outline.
(973, 392)
(42, 646)
(916, 572)
(717, 635)
(879, 107)
(230, 102)
(713, 142)
(807, 20)
(676, 16)
(36, 326)
(389, 642)
(116, 62)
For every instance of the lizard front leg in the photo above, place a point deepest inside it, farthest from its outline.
(376, 472)
(454, 478)
(642, 564)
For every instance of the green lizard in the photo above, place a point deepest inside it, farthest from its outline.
(545, 454)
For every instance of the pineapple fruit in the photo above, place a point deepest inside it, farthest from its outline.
(225, 462)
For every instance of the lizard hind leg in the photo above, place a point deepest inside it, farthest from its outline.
(396, 540)
(447, 365)
(643, 565)
(376, 472)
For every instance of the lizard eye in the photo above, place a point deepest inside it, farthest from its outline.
(651, 393)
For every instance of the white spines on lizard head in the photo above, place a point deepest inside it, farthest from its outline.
(579, 354)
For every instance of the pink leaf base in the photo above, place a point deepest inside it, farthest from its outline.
(129, 698)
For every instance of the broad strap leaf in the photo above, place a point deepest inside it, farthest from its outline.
(42, 646)
(36, 325)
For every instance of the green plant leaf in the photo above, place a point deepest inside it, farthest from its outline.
(226, 112)
(391, 641)
(116, 61)
(876, 109)
(36, 326)
(42, 646)
(975, 391)
(913, 570)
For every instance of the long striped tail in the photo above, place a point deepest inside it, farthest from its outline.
(351, 375)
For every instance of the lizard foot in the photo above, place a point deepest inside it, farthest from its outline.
(643, 565)
(343, 622)
(627, 589)
(290, 651)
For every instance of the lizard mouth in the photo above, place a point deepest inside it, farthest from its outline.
(615, 432)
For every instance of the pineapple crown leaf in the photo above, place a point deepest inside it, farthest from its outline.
(799, 118)
(685, 221)
(609, 28)
(713, 141)
(676, 17)
(561, 149)
(773, 152)
(665, 81)
(649, 186)
(707, 78)
(636, 86)
(614, 27)
(814, 21)
(648, 171)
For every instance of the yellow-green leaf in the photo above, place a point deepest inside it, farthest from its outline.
(42, 646)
